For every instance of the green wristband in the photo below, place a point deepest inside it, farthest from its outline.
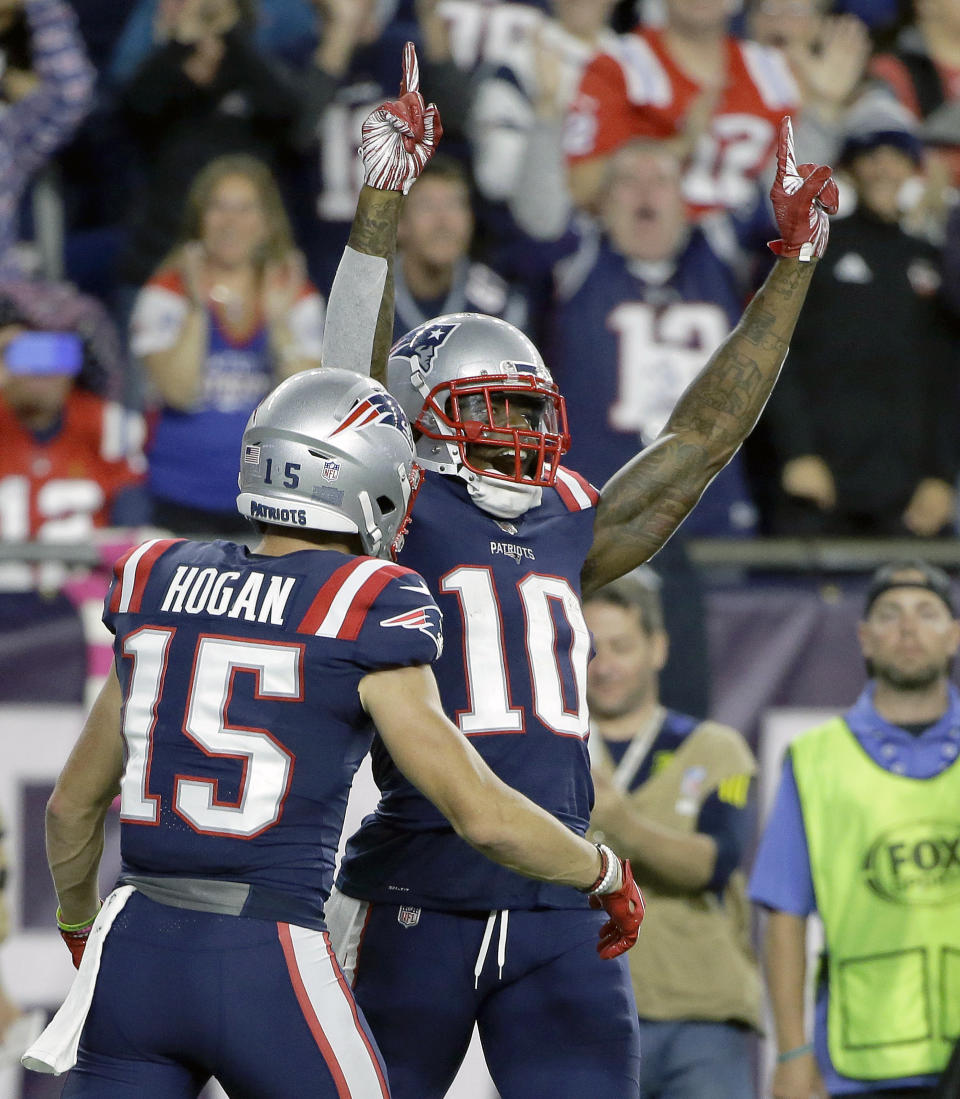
(791, 1054)
(75, 926)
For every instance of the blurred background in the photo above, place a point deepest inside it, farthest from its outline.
(177, 180)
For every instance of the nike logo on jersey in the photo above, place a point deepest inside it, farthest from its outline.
(208, 591)
(416, 587)
(510, 549)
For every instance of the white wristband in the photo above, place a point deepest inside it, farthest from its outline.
(612, 879)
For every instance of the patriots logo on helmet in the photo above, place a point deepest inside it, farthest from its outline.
(378, 408)
(422, 343)
(426, 619)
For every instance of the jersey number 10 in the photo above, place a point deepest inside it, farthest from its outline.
(487, 668)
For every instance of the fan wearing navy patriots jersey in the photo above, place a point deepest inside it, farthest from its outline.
(638, 310)
(509, 541)
(245, 693)
(351, 72)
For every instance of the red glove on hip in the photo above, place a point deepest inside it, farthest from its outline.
(624, 906)
(401, 135)
(802, 196)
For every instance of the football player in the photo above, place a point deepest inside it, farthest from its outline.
(241, 704)
(433, 938)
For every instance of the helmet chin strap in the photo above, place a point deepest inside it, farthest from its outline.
(501, 499)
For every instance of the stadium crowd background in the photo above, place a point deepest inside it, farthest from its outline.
(177, 179)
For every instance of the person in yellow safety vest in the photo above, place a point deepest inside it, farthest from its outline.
(865, 830)
(674, 792)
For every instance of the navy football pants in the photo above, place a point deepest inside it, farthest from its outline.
(558, 1020)
(182, 996)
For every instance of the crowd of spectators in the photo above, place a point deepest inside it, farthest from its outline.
(176, 185)
(178, 177)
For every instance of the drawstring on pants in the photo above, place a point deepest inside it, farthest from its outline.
(504, 915)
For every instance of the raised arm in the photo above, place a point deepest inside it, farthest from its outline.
(645, 501)
(34, 123)
(398, 139)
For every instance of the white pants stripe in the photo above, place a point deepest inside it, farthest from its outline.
(331, 1013)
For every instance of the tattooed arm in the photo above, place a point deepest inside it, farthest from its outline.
(645, 501)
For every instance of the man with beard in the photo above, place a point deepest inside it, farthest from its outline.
(865, 830)
(434, 272)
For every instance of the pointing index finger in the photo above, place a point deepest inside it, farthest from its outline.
(411, 70)
(786, 158)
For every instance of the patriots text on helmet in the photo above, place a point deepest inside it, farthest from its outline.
(328, 450)
(268, 514)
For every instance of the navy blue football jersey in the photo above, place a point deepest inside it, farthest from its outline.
(242, 722)
(475, 288)
(512, 677)
(623, 346)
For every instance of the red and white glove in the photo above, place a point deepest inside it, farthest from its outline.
(802, 196)
(624, 906)
(401, 135)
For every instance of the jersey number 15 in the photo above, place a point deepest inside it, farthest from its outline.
(267, 765)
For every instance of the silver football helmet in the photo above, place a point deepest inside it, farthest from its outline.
(482, 398)
(328, 450)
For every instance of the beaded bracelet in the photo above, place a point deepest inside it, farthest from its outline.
(609, 867)
(791, 1054)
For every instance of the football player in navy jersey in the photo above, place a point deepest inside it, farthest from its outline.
(433, 938)
(242, 701)
(244, 694)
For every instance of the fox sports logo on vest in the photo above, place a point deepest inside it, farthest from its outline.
(916, 863)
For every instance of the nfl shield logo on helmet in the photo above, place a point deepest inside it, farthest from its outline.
(408, 916)
(331, 470)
